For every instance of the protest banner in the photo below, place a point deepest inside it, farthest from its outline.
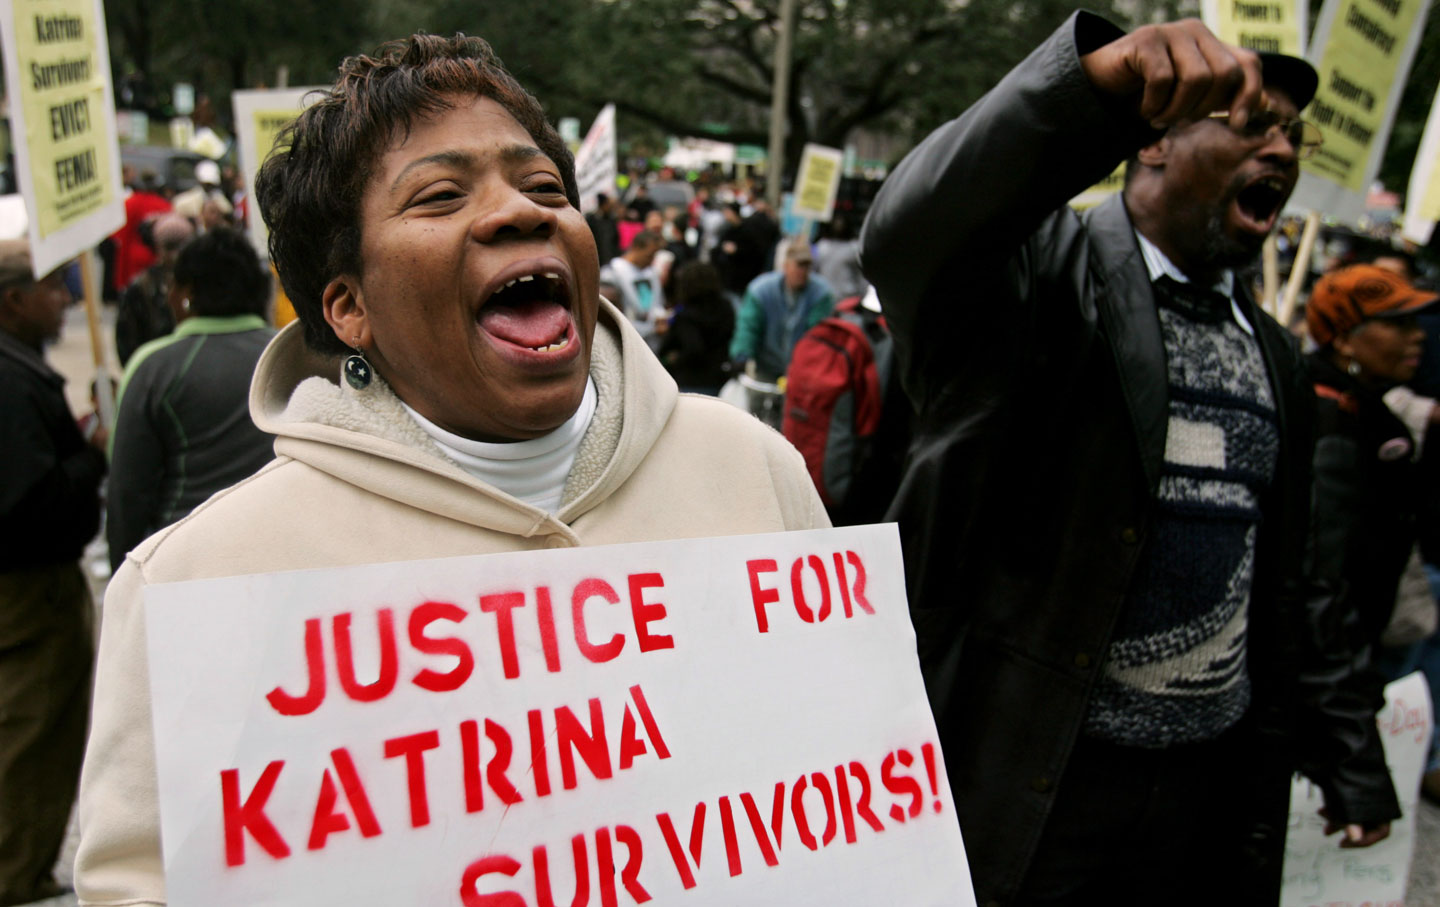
(1274, 26)
(62, 125)
(1362, 50)
(259, 117)
(818, 183)
(597, 163)
(1422, 201)
(1318, 873)
(688, 153)
(710, 721)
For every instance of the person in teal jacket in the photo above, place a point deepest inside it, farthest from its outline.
(778, 308)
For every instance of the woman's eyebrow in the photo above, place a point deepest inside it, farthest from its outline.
(458, 159)
(517, 153)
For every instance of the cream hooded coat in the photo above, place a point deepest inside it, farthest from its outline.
(357, 481)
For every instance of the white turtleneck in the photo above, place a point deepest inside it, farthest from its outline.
(533, 471)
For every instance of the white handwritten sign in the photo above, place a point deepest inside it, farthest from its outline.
(1318, 873)
(714, 721)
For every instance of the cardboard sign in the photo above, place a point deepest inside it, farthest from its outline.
(1274, 26)
(597, 163)
(1422, 202)
(712, 721)
(62, 125)
(1318, 873)
(818, 182)
(1363, 50)
(259, 117)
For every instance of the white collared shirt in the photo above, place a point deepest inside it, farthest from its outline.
(1159, 264)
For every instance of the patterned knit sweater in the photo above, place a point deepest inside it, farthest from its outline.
(1175, 671)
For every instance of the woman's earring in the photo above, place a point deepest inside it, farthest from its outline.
(185, 304)
(1353, 368)
(357, 370)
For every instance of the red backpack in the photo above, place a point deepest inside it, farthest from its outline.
(834, 395)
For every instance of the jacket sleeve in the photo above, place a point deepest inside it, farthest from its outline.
(1340, 748)
(942, 243)
(50, 486)
(749, 327)
(824, 306)
(136, 468)
(119, 861)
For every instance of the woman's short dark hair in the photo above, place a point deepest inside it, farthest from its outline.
(223, 275)
(311, 187)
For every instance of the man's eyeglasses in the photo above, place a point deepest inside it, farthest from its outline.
(1303, 136)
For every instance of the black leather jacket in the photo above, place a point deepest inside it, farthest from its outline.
(1028, 340)
(1367, 490)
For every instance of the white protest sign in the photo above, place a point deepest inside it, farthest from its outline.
(702, 722)
(817, 183)
(597, 163)
(1422, 201)
(1318, 873)
(62, 125)
(259, 117)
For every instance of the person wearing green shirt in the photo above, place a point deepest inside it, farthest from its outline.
(183, 429)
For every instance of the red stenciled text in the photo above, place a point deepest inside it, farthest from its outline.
(819, 586)
(495, 768)
(433, 630)
(834, 807)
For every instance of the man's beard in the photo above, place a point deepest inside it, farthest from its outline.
(1219, 252)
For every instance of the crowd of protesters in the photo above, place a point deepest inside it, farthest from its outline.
(1188, 556)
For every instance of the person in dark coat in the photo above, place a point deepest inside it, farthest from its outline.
(1104, 511)
(740, 254)
(144, 312)
(1367, 482)
(696, 344)
(604, 227)
(49, 511)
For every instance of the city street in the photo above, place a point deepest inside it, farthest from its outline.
(72, 357)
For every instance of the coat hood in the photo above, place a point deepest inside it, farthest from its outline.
(367, 438)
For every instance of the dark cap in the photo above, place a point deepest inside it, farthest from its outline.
(1294, 75)
(1344, 299)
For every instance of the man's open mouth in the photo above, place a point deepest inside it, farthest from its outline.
(1260, 201)
(532, 311)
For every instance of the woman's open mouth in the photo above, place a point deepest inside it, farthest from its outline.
(531, 312)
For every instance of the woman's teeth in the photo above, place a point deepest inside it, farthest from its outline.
(552, 347)
(548, 275)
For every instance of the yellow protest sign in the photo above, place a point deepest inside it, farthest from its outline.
(1365, 48)
(1276, 26)
(259, 117)
(817, 183)
(63, 124)
(268, 124)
